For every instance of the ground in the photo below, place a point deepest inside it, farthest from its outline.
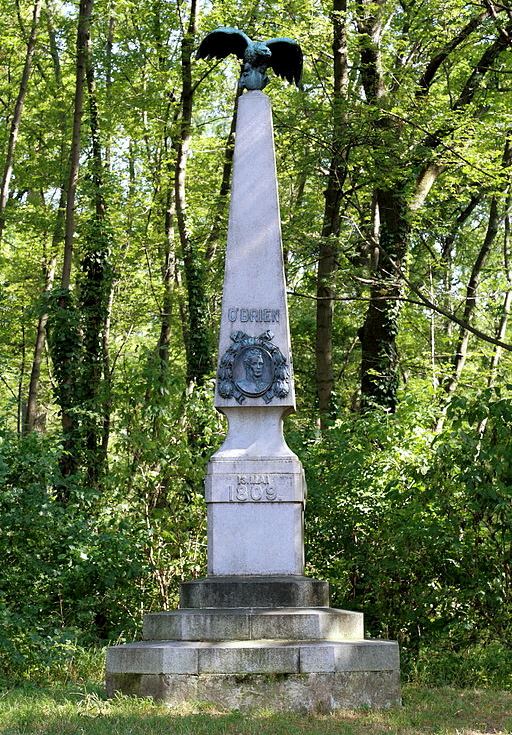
(75, 710)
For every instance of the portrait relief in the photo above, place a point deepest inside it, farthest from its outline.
(253, 371)
(253, 367)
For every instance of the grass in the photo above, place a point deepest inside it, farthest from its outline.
(71, 710)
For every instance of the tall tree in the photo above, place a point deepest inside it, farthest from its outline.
(198, 338)
(64, 325)
(328, 251)
(17, 113)
(401, 191)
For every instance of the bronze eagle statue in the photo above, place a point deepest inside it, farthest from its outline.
(283, 55)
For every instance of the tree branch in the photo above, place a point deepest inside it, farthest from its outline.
(428, 75)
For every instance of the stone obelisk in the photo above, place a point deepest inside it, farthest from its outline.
(255, 615)
(255, 488)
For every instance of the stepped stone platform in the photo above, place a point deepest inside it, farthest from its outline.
(293, 656)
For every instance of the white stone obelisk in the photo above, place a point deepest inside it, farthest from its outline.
(255, 488)
(255, 631)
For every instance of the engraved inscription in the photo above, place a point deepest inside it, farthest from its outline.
(272, 487)
(252, 489)
(253, 315)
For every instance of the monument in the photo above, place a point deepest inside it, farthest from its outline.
(256, 632)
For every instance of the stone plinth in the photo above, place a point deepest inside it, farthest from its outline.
(255, 511)
(254, 591)
(320, 692)
(249, 641)
(242, 624)
(289, 658)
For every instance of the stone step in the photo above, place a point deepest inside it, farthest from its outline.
(254, 591)
(216, 624)
(252, 657)
(322, 692)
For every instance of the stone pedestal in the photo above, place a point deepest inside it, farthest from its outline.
(256, 632)
(255, 641)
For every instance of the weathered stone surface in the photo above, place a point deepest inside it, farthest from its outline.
(197, 625)
(304, 624)
(252, 656)
(313, 692)
(254, 624)
(254, 296)
(153, 658)
(349, 656)
(255, 538)
(247, 657)
(252, 487)
(254, 591)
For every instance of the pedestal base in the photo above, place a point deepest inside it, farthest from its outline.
(266, 646)
(311, 692)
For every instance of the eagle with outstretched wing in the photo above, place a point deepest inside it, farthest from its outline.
(283, 55)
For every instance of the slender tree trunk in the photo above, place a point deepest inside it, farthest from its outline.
(16, 118)
(212, 240)
(446, 260)
(459, 359)
(474, 280)
(505, 310)
(30, 418)
(199, 347)
(168, 271)
(21, 377)
(65, 335)
(95, 294)
(84, 21)
(327, 254)
(108, 80)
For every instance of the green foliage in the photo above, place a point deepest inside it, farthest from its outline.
(85, 571)
(479, 665)
(415, 529)
(409, 526)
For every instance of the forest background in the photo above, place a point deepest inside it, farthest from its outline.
(394, 164)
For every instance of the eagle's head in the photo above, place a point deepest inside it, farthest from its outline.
(257, 53)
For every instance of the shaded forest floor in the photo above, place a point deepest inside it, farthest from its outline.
(74, 710)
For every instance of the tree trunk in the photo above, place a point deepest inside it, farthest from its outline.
(379, 375)
(212, 240)
(379, 360)
(21, 376)
(65, 337)
(168, 272)
(505, 310)
(16, 118)
(474, 280)
(327, 254)
(30, 418)
(95, 293)
(461, 350)
(84, 21)
(199, 346)
(379, 355)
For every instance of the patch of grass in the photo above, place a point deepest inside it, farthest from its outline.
(481, 665)
(31, 710)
